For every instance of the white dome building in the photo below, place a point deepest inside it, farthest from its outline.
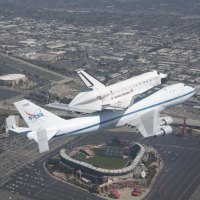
(13, 79)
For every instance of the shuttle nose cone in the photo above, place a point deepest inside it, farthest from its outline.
(191, 89)
(163, 75)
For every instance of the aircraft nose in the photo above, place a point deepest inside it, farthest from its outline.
(190, 89)
(163, 75)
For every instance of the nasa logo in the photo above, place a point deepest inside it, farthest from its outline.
(36, 116)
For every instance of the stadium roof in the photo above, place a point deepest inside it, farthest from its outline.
(12, 77)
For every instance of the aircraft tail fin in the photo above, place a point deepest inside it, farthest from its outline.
(89, 80)
(37, 118)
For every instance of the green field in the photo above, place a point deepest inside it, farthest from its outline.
(106, 162)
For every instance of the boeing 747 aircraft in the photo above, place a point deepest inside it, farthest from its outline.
(144, 114)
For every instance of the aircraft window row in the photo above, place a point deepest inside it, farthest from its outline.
(141, 83)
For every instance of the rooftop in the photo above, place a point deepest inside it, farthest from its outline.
(9, 77)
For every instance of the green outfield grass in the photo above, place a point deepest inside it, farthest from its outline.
(106, 162)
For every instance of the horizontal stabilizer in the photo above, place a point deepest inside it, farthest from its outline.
(42, 140)
(11, 122)
(20, 129)
(12, 125)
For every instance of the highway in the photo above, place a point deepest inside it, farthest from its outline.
(32, 68)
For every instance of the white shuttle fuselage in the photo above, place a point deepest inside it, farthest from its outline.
(118, 96)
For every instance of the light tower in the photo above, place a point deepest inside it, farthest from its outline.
(183, 131)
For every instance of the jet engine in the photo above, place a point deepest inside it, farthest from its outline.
(163, 121)
(164, 130)
(31, 135)
(103, 93)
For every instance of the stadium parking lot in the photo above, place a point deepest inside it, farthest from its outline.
(27, 181)
(177, 180)
(181, 174)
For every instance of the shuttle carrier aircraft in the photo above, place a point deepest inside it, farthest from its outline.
(144, 114)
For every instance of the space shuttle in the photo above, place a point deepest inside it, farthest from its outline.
(118, 96)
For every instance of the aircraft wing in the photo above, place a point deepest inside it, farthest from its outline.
(147, 123)
(66, 107)
(151, 124)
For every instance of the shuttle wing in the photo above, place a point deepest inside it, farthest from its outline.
(121, 103)
(66, 107)
(83, 109)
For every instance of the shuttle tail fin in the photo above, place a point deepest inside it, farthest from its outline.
(89, 80)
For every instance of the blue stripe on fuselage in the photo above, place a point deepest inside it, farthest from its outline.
(133, 112)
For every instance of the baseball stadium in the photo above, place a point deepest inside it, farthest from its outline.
(98, 161)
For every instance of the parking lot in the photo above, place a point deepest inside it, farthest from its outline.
(27, 181)
(181, 174)
(178, 179)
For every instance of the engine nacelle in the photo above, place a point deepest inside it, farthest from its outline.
(31, 135)
(104, 93)
(164, 130)
(163, 121)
